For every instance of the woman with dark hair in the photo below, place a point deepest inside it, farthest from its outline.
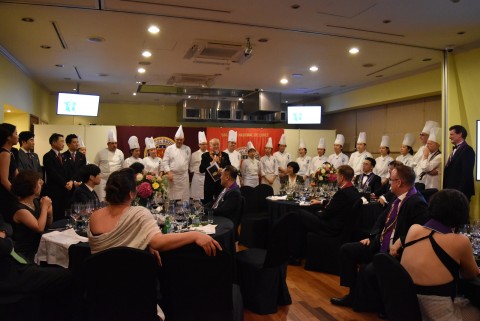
(8, 165)
(435, 256)
(292, 178)
(406, 151)
(29, 215)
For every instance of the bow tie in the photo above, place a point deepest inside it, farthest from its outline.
(455, 147)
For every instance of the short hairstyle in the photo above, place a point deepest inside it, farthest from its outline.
(24, 183)
(295, 166)
(406, 174)
(304, 148)
(459, 129)
(395, 163)
(25, 136)
(6, 130)
(213, 141)
(119, 185)
(55, 137)
(371, 160)
(231, 171)
(410, 150)
(449, 207)
(88, 170)
(346, 171)
(70, 137)
(137, 167)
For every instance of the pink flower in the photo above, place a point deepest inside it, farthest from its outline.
(144, 190)
(150, 178)
(332, 178)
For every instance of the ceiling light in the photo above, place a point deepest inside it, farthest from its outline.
(134, 94)
(74, 89)
(146, 54)
(189, 96)
(284, 81)
(96, 39)
(138, 82)
(153, 29)
(286, 101)
(354, 51)
(8, 111)
(313, 68)
(240, 99)
(141, 70)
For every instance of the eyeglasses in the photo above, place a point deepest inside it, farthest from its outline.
(393, 180)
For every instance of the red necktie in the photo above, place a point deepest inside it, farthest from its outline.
(59, 156)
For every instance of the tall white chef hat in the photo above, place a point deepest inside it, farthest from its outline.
(435, 135)
(179, 133)
(429, 124)
(133, 142)
(202, 139)
(81, 144)
(150, 143)
(408, 139)
(269, 143)
(340, 140)
(250, 146)
(385, 141)
(283, 140)
(301, 144)
(112, 136)
(321, 143)
(232, 136)
(362, 138)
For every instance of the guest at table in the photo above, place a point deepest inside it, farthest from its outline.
(356, 159)
(212, 187)
(381, 166)
(367, 180)
(8, 165)
(134, 146)
(435, 257)
(250, 168)
(138, 168)
(29, 215)
(198, 180)
(292, 178)
(283, 158)
(269, 168)
(428, 170)
(384, 195)
(120, 224)
(406, 151)
(303, 160)
(27, 159)
(90, 177)
(338, 158)
(153, 163)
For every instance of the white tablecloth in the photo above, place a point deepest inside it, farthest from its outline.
(53, 247)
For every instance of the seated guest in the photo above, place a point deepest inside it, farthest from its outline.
(367, 181)
(435, 257)
(29, 215)
(381, 166)
(387, 236)
(429, 169)
(331, 221)
(90, 177)
(384, 195)
(292, 178)
(406, 151)
(250, 168)
(120, 224)
(137, 168)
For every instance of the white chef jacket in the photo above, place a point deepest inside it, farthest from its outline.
(405, 160)
(177, 160)
(153, 165)
(304, 163)
(356, 161)
(381, 166)
(198, 179)
(426, 165)
(250, 171)
(338, 160)
(108, 162)
(316, 162)
(131, 160)
(235, 160)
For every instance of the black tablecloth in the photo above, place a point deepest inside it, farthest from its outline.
(471, 290)
(280, 208)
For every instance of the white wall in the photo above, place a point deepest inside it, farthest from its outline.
(311, 138)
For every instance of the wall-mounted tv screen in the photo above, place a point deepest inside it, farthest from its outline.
(77, 105)
(301, 115)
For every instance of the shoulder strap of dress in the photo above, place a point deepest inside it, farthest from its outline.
(417, 240)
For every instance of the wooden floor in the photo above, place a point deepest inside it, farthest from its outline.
(311, 293)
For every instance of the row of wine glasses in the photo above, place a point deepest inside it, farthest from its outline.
(81, 212)
(472, 231)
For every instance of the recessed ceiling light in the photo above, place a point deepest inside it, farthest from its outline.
(240, 99)
(134, 94)
(354, 50)
(8, 111)
(27, 19)
(138, 82)
(146, 54)
(189, 97)
(153, 29)
(286, 101)
(45, 47)
(74, 89)
(96, 39)
(284, 81)
(313, 68)
(59, 65)
(141, 70)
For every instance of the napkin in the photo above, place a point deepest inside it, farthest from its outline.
(364, 200)
(207, 229)
(302, 203)
(53, 247)
(279, 198)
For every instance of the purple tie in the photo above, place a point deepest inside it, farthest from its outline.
(390, 225)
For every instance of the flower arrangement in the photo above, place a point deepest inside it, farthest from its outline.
(325, 174)
(149, 186)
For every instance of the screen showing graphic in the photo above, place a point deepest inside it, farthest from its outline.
(77, 105)
(304, 114)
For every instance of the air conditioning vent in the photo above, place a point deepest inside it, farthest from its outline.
(215, 50)
(191, 80)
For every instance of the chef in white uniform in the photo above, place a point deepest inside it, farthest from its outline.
(109, 160)
(318, 160)
(176, 160)
(406, 151)
(234, 156)
(250, 168)
(381, 166)
(134, 146)
(269, 168)
(338, 158)
(153, 163)
(424, 134)
(429, 170)
(198, 179)
(357, 158)
(303, 161)
(283, 158)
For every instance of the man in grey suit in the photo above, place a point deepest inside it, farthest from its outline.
(27, 159)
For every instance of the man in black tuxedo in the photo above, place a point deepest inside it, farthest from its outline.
(57, 179)
(368, 179)
(384, 195)
(74, 160)
(211, 188)
(387, 236)
(27, 159)
(90, 177)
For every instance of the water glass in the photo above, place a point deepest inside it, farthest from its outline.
(210, 217)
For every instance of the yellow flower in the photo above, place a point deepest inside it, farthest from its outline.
(155, 185)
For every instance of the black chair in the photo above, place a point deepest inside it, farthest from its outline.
(420, 186)
(262, 273)
(250, 198)
(427, 193)
(367, 215)
(121, 284)
(397, 289)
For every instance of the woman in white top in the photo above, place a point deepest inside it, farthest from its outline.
(381, 166)
(153, 163)
(406, 151)
(250, 168)
(303, 160)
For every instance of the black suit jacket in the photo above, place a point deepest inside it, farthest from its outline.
(24, 163)
(459, 173)
(230, 205)
(375, 183)
(337, 214)
(83, 194)
(211, 188)
(73, 166)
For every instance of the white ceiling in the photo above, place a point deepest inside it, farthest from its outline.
(319, 32)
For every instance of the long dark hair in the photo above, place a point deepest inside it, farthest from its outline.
(6, 130)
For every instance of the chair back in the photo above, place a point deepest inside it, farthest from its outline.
(427, 193)
(397, 289)
(262, 191)
(121, 284)
(250, 198)
(277, 248)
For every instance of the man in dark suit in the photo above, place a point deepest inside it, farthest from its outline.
(57, 180)
(387, 236)
(27, 159)
(212, 188)
(331, 221)
(458, 173)
(368, 180)
(74, 160)
(90, 177)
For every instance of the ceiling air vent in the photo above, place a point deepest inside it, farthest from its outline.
(215, 50)
(191, 80)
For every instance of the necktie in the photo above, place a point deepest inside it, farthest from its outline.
(30, 157)
(73, 156)
(96, 196)
(17, 257)
(59, 157)
(220, 197)
(390, 225)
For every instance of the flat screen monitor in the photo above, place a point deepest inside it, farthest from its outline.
(302, 115)
(77, 105)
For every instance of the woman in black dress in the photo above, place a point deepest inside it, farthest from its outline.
(8, 165)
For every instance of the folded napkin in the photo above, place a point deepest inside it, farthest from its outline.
(53, 247)
(207, 229)
(302, 203)
(364, 200)
(279, 198)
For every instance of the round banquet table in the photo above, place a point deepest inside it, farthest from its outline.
(279, 208)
